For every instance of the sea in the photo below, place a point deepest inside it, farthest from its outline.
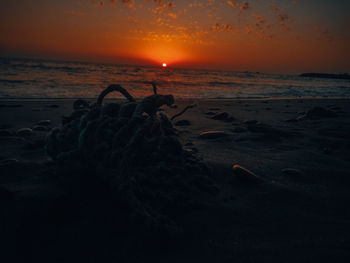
(48, 79)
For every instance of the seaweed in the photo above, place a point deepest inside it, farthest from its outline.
(131, 152)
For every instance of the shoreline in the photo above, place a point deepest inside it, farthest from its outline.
(182, 99)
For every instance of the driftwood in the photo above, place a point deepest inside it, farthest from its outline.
(133, 150)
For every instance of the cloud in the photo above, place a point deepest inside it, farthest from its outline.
(218, 27)
(232, 3)
(245, 6)
(284, 20)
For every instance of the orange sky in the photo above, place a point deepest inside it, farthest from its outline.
(290, 37)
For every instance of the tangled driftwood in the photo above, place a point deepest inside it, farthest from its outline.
(134, 151)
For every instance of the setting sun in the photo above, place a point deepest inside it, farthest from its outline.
(164, 65)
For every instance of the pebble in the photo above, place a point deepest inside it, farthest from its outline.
(44, 122)
(221, 116)
(210, 113)
(214, 109)
(244, 175)
(212, 134)
(24, 132)
(183, 123)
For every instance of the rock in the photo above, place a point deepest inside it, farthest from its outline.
(39, 128)
(210, 113)
(214, 108)
(319, 113)
(5, 133)
(240, 129)
(24, 132)
(212, 135)
(44, 122)
(244, 175)
(183, 123)
(221, 116)
(251, 122)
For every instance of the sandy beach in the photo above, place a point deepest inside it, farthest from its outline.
(295, 208)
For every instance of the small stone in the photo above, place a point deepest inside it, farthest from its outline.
(214, 109)
(44, 122)
(210, 113)
(24, 132)
(39, 128)
(183, 123)
(221, 116)
(244, 175)
(212, 135)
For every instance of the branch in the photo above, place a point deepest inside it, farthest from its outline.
(114, 87)
(183, 111)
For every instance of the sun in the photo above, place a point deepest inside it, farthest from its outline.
(164, 65)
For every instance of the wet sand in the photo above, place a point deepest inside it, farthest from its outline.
(296, 211)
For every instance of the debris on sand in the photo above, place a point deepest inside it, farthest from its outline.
(320, 113)
(24, 132)
(244, 175)
(133, 153)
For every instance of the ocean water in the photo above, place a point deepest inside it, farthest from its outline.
(42, 79)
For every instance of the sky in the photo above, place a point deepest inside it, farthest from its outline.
(259, 35)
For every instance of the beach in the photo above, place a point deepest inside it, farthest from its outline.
(291, 207)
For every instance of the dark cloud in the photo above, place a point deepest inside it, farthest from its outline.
(218, 27)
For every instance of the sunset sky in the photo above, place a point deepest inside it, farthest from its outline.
(262, 35)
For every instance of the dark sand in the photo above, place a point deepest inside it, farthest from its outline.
(299, 215)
